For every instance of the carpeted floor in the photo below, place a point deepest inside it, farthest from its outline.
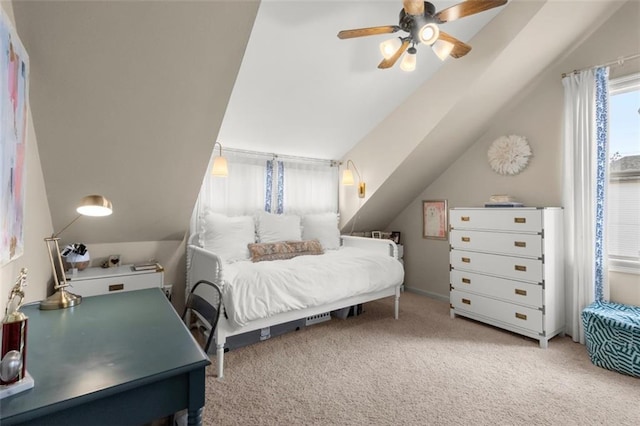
(423, 369)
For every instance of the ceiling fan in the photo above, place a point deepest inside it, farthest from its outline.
(420, 20)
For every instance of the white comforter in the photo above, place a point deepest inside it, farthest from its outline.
(259, 290)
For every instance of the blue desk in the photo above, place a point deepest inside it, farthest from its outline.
(117, 359)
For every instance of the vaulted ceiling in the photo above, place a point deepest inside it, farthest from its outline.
(127, 98)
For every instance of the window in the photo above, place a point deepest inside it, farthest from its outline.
(623, 197)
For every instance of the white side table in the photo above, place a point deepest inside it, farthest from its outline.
(97, 281)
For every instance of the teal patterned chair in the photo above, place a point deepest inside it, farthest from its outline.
(612, 334)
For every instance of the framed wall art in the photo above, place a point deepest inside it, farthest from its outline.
(14, 77)
(435, 219)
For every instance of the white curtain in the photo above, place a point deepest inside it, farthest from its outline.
(585, 181)
(309, 188)
(240, 193)
(259, 181)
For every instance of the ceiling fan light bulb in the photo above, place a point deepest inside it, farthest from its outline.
(442, 49)
(389, 47)
(429, 33)
(408, 63)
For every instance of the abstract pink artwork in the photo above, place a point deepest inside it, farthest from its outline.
(14, 78)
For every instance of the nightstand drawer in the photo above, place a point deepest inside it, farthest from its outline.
(518, 268)
(518, 220)
(116, 284)
(511, 291)
(518, 316)
(497, 242)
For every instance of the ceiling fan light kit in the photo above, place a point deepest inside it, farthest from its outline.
(420, 21)
(409, 60)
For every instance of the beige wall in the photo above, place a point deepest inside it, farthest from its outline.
(38, 225)
(537, 115)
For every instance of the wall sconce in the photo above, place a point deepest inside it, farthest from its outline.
(347, 179)
(219, 168)
(91, 205)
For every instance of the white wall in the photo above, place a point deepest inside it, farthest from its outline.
(537, 115)
(37, 222)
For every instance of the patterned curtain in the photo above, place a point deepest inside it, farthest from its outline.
(584, 198)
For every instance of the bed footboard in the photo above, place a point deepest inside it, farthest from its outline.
(384, 246)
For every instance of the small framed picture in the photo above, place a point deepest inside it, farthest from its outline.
(435, 219)
(114, 260)
(395, 237)
(376, 234)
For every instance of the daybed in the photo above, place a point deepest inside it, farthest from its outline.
(299, 267)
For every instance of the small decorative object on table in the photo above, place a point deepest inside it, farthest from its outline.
(76, 257)
(503, 201)
(14, 377)
(112, 262)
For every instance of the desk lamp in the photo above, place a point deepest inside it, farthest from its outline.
(91, 205)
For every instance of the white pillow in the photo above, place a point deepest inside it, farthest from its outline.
(324, 228)
(228, 237)
(272, 228)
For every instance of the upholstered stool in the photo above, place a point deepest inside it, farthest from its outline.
(612, 334)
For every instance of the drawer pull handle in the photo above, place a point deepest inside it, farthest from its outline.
(466, 260)
(465, 218)
(520, 220)
(466, 301)
(521, 316)
(520, 244)
(521, 292)
(521, 268)
(466, 281)
(466, 239)
(116, 287)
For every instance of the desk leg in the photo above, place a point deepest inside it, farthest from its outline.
(196, 396)
(195, 417)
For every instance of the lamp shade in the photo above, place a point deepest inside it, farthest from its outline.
(442, 49)
(220, 167)
(409, 60)
(347, 178)
(389, 47)
(95, 205)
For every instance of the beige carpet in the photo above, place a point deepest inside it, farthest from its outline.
(422, 369)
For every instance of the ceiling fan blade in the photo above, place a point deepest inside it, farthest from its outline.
(469, 7)
(388, 63)
(460, 48)
(413, 7)
(363, 32)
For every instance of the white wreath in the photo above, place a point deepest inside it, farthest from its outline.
(509, 155)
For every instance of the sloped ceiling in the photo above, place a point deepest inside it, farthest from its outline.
(128, 97)
(302, 91)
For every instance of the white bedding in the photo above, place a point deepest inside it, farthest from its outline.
(259, 290)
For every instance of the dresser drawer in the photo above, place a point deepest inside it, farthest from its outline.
(515, 315)
(512, 219)
(517, 268)
(511, 291)
(117, 284)
(497, 242)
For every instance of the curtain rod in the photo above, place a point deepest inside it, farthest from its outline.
(619, 61)
(281, 157)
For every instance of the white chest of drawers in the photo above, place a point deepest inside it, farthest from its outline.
(97, 281)
(507, 269)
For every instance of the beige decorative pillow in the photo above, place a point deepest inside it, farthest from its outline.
(283, 250)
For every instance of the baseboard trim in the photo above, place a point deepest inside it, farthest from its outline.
(428, 294)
